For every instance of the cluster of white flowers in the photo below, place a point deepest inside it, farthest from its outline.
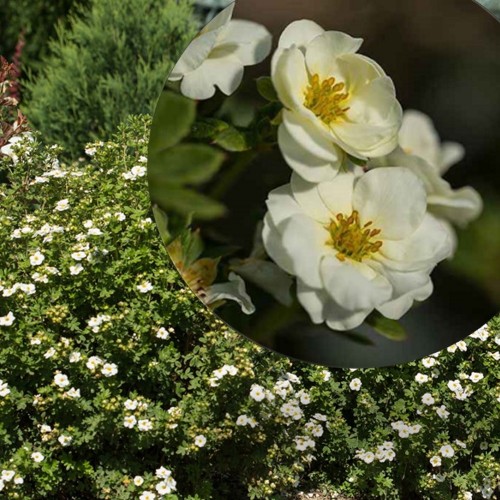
(383, 453)
(131, 420)
(95, 322)
(10, 476)
(220, 373)
(106, 368)
(4, 389)
(405, 430)
(135, 173)
(356, 239)
(458, 391)
(163, 333)
(165, 486)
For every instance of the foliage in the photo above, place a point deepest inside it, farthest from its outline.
(36, 20)
(88, 295)
(109, 62)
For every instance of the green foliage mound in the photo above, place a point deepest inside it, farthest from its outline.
(110, 62)
(116, 383)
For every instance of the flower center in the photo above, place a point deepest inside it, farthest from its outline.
(325, 98)
(352, 240)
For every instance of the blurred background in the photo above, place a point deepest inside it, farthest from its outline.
(444, 58)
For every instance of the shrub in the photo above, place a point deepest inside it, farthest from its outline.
(37, 21)
(110, 62)
(116, 381)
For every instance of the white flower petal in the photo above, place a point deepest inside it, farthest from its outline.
(273, 243)
(290, 77)
(309, 166)
(194, 55)
(349, 286)
(234, 289)
(305, 242)
(299, 33)
(226, 73)
(418, 136)
(250, 42)
(393, 198)
(282, 204)
(307, 196)
(427, 246)
(337, 194)
(451, 153)
(459, 206)
(322, 52)
(407, 287)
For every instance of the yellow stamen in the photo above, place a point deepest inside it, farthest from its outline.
(326, 99)
(350, 239)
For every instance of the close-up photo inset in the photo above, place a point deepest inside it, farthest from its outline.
(324, 176)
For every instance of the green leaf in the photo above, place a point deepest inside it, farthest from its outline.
(266, 89)
(389, 328)
(208, 128)
(184, 164)
(161, 220)
(192, 246)
(233, 140)
(186, 202)
(174, 115)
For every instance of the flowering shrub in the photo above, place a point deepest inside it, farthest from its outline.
(115, 382)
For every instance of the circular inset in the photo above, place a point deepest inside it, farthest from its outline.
(324, 177)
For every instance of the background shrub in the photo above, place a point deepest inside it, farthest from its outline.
(84, 275)
(111, 61)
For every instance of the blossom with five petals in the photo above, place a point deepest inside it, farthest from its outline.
(217, 56)
(356, 243)
(336, 101)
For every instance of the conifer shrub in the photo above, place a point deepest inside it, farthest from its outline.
(109, 62)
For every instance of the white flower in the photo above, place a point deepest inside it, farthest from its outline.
(65, 440)
(147, 495)
(326, 375)
(74, 357)
(442, 412)
(7, 320)
(93, 362)
(319, 417)
(44, 428)
(427, 399)
(419, 137)
(27, 288)
(217, 56)
(200, 441)
(120, 216)
(49, 353)
(355, 244)
(62, 205)
(138, 480)
(144, 424)
(78, 256)
(230, 370)
(303, 442)
(451, 206)
(481, 334)
(163, 473)
(145, 287)
(476, 377)
(305, 398)
(37, 258)
(73, 393)
(234, 289)
(129, 421)
(454, 385)
(37, 456)
(404, 431)
(460, 443)
(355, 384)
(162, 333)
(429, 362)
(368, 457)
(61, 380)
(447, 451)
(131, 404)
(414, 429)
(109, 369)
(292, 410)
(94, 231)
(163, 488)
(257, 392)
(7, 475)
(242, 420)
(421, 378)
(435, 461)
(336, 101)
